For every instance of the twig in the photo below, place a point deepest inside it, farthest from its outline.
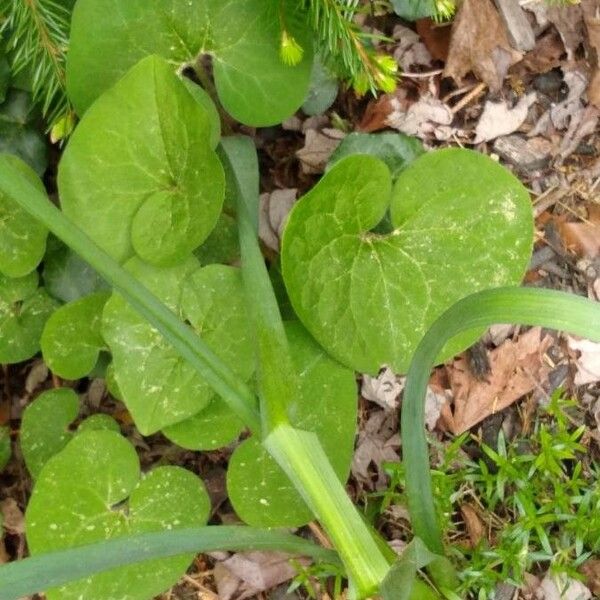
(409, 75)
(478, 89)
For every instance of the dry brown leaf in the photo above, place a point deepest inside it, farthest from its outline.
(480, 44)
(377, 443)
(245, 574)
(499, 119)
(568, 21)
(273, 211)
(591, 571)
(411, 51)
(581, 238)
(435, 37)
(384, 389)
(562, 588)
(474, 526)
(516, 368)
(428, 117)
(591, 17)
(13, 517)
(318, 147)
(588, 363)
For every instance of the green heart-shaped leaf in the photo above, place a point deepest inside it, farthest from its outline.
(22, 238)
(462, 223)
(242, 37)
(139, 173)
(158, 386)
(45, 427)
(78, 499)
(24, 310)
(71, 340)
(260, 492)
(396, 150)
(66, 276)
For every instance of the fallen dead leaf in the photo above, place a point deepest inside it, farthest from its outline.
(13, 517)
(318, 147)
(36, 376)
(568, 21)
(562, 588)
(434, 403)
(582, 124)
(474, 526)
(377, 443)
(499, 119)
(480, 44)
(426, 118)
(245, 574)
(516, 368)
(273, 211)
(588, 363)
(591, 571)
(435, 37)
(581, 238)
(591, 19)
(384, 389)
(411, 51)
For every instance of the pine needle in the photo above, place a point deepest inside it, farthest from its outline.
(37, 38)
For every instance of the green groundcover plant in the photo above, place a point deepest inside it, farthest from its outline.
(392, 258)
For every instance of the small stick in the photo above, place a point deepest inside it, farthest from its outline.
(320, 535)
(409, 75)
(478, 89)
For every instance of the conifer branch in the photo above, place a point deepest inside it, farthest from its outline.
(37, 34)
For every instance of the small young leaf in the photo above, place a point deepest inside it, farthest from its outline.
(22, 239)
(411, 10)
(462, 224)
(158, 386)
(396, 150)
(66, 276)
(79, 498)
(98, 422)
(24, 310)
(260, 492)
(18, 134)
(71, 340)
(45, 427)
(5, 450)
(139, 173)
(212, 428)
(323, 89)
(242, 37)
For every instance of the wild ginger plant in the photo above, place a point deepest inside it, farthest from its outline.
(197, 349)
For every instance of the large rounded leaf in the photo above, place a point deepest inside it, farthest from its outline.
(80, 497)
(462, 223)
(22, 238)
(242, 37)
(260, 492)
(71, 340)
(24, 310)
(158, 386)
(140, 174)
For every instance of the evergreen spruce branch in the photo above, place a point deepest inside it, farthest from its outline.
(38, 36)
(343, 43)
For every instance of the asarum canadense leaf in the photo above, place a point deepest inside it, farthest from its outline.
(22, 239)
(45, 427)
(260, 492)
(24, 310)
(242, 36)
(140, 175)
(92, 491)
(159, 387)
(71, 341)
(461, 223)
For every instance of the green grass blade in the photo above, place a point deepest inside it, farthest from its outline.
(277, 378)
(40, 573)
(191, 347)
(298, 453)
(525, 306)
